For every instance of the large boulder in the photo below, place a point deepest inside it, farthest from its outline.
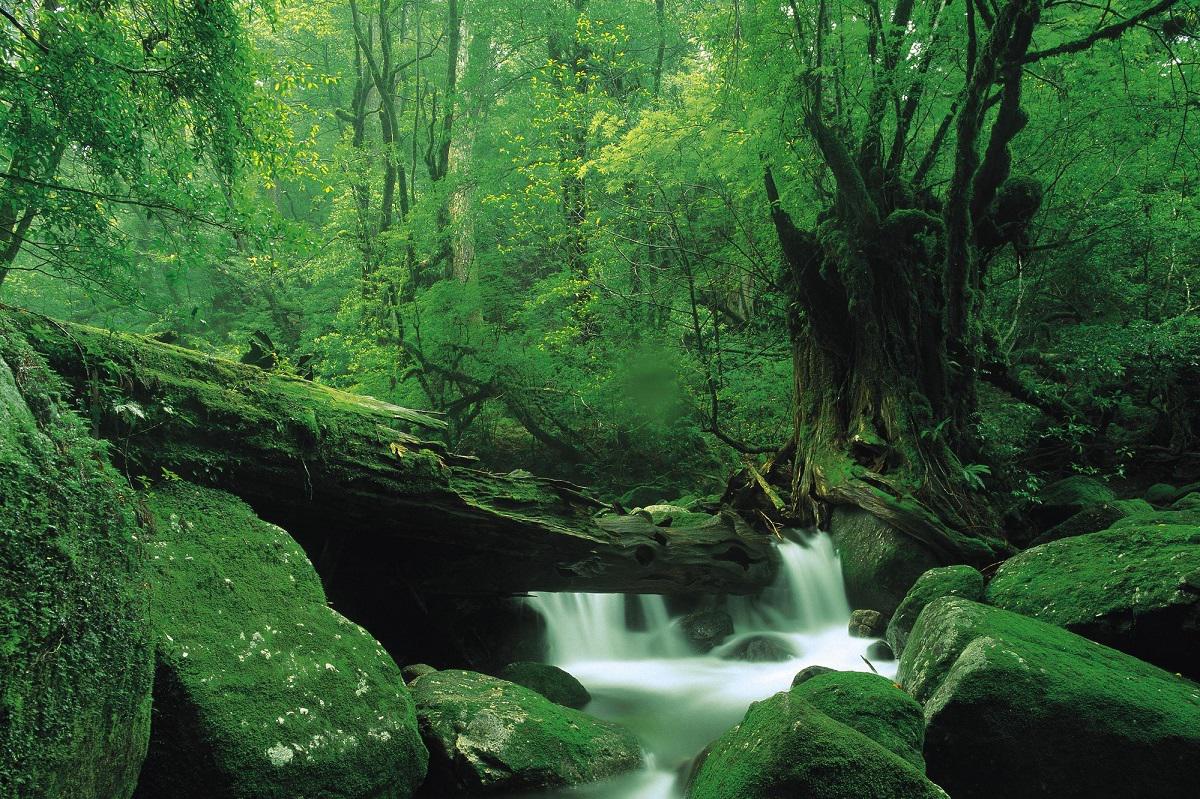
(1017, 707)
(879, 563)
(786, 747)
(76, 662)
(550, 681)
(261, 690)
(1135, 588)
(487, 735)
(873, 705)
(960, 581)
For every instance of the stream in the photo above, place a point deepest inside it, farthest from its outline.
(676, 701)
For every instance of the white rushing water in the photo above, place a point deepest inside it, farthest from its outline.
(676, 701)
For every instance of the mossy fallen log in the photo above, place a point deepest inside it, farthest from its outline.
(362, 486)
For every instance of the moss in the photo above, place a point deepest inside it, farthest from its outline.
(197, 404)
(262, 689)
(1077, 491)
(487, 734)
(786, 747)
(1018, 707)
(1126, 587)
(1161, 494)
(75, 652)
(550, 681)
(961, 581)
(873, 705)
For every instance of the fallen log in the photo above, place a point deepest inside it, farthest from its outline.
(366, 491)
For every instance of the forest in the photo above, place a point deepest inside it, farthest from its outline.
(608, 399)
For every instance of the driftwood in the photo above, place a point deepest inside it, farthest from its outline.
(362, 486)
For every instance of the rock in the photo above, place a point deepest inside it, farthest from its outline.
(704, 629)
(960, 581)
(76, 656)
(808, 672)
(758, 649)
(1064, 498)
(261, 689)
(880, 650)
(550, 681)
(873, 705)
(1015, 707)
(1190, 502)
(1161, 494)
(786, 747)
(1126, 587)
(415, 671)
(488, 735)
(1092, 519)
(879, 563)
(641, 496)
(867, 624)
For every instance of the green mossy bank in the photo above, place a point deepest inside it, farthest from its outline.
(1015, 707)
(75, 651)
(262, 691)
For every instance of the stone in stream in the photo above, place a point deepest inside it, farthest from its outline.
(1015, 707)
(261, 689)
(880, 650)
(705, 629)
(759, 649)
(488, 735)
(873, 705)
(1135, 588)
(787, 747)
(808, 672)
(550, 681)
(867, 624)
(961, 581)
(76, 655)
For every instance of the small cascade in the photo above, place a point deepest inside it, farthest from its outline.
(634, 659)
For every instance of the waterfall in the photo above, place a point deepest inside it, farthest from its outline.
(632, 656)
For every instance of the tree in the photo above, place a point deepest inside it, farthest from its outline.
(903, 119)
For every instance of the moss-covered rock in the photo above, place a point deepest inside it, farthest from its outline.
(1062, 499)
(262, 691)
(1132, 588)
(1094, 518)
(786, 747)
(961, 581)
(486, 734)
(550, 681)
(1015, 707)
(1161, 494)
(873, 705)
(1188, 502)
(879, 563)
(75, 650)
(705, 629)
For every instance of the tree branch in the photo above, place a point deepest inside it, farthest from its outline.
(1110, 32)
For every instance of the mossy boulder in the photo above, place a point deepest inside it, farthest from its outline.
(1094, 518)
(486, 735)
(761, 648)
(879, 563)
(1062, 499)
(867, 624)
(873, 705)
(1161, 494)
(960, 581)
(1015, 707)
(786, 747)
(550, 681)
(1135, 588)
(705, 629)
(1188, 502)
(76, 659)
(261, 690)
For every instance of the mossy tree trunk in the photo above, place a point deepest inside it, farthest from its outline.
(884, 291)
